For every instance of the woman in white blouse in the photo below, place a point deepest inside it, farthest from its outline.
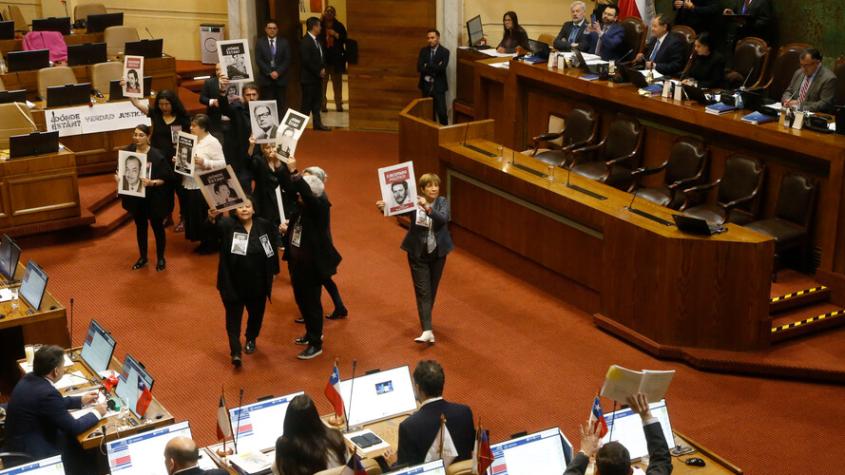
(208, 155)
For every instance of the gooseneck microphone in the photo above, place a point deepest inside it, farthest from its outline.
(351, 387)
(238, 429)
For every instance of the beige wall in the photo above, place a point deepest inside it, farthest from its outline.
(29, 8)
(536, 16)
(177, 21)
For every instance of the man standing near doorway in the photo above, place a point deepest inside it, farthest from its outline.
(313, 72)
(431, 65)
(272, 54)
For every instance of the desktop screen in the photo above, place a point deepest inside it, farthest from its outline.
(378, 396)
(10, 254)
(258, 425)
(143, 454)
(429, 468)
(475, 30)
(98, 347)
(628, 428)
(131, 383)
(542, 453)
(33, 285)
(48, 466)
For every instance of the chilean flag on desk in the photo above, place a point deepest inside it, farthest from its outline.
(643, 9)
(597, 417)
(144, 399)
(332, 391)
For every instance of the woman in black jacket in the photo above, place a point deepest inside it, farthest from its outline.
(248, 262)
(707, 70)
(307, 446)
(157, 204)
(514, 36)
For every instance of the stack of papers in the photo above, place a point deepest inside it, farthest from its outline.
(492, 52)
(620, 383)
(251, 463)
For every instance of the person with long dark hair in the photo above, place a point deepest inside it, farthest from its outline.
(307, 446)
(707, 70)
(168, 117)
(158, 202)
(427, 244)
(248, 262)
(514, 35)
(208, 155)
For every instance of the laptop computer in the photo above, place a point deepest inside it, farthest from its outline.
(475, 33)
(698, 95)
(116, 92)
(145, 48)
(18, 95)
(88, 53)
(700, 227)
(36, 143)
(539, 51)
(598, 68)
(60, 24)
(69, 95)
(28, 60)
(7, 30)
(633, 76)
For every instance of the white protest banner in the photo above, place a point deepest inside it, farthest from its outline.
(106, 117)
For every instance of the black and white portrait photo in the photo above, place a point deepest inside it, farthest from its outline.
(221, 189)
(235, 61)
(131, 170)
(264, 118)
(184, 163)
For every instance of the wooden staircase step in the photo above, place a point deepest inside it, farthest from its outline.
(806, 320)
(800, 298)
(109, 218)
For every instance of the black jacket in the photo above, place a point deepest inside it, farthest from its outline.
(434, 67)
(263, 59)
(37, 419)
(517, 37)
(761, 21)
(312, 60)
(211, 90)
(336, 55)
(236, 139)
(561, 43)
(671, 57)
(708, 71)
(415, 241)
(418, 431)
(659, 460)
(199, 471)
(266, 182)
(702, 17)
(159, 200)
(226, 280)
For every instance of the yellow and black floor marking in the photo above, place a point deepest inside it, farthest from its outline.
(793, 295)
(807, 321)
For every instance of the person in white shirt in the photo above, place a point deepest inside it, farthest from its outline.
(208, 155)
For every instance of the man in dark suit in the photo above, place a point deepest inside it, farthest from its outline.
(210, 97)
(418, 431)
(613, 458)
(37, 419)
(236, 136)
(313, 71)
(813, 86)
(573, 32)
(664, 52)
(181, 457)
(611, 36)
(272, 55)
(760, 21)
(700, 15)
(431, 64)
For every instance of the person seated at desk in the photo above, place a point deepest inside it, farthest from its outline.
(38, 422)
(181, 457)
(611, 36)
(664, 52)
(813, 86)
(418, 431)
(515, 35)
(575, 34)
(307, 446)
(613, 458)
(707, 70)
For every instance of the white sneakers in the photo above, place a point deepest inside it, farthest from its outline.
(426, 337)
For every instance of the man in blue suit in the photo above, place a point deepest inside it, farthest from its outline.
(37, 419)
(665, 52)
(611, 42)
(272, 55)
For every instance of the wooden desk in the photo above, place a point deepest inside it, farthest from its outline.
(521, 99)
(76, 37)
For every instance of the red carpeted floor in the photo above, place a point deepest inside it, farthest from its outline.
(523, 359)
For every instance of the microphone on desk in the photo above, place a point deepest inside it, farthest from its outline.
(71, 326)
(747, 77)
(621, 58)
(631, 203)
(351, 387)
(238, 425)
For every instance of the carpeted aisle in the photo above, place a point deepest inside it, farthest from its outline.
(523, 359)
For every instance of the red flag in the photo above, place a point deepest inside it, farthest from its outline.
(643, 9)
(144, 400)
(332, 391)
(484, 456)
(597, 417)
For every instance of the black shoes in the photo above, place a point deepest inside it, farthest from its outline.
(303, 340)
(139, 263)
(249, 348)
(299, 320)
(310, 352)
(160, 265)
(236, 361)
(338, 314)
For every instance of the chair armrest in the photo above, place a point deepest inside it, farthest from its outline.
(643, 171)
(696, 189)
(546, 136)
(623, 158)
(686, 181)
(733, 204)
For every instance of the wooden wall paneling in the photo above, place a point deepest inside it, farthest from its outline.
(44, 197)
(5, 205)
(286, 13)
(385, 78)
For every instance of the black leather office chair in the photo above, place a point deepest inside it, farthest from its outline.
(580, 130)
(613, 160)
(738, 196)
(687, 163)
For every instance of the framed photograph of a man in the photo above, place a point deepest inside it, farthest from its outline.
(221, 189)
(234, 91)
(264, 118)
(133, 76)
(131, 170)
(295, 121)
(235, 60)
(286, 142)
(398, 188)
(184, 164)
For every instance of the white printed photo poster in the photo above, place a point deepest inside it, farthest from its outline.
(398, 188)
(184, 164)
(131, 170)
(235, 60)
(221, 189)
(133, 76)
(264, 120)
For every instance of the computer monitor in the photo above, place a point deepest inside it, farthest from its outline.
(33, 285)
(131, 382)
(435, 467)
(36, 143)
(60, 24)
(475, 31)
(88, 53)
(628, 428)
(145, 48)
(98, 23)
(143, 454)
(28, 60)
(48, 466)
(18, 95)
(98, 347)
(259, 424)
(7, 30)
(10, 254)
(116, 90)
(542, 453)
(68, 95)
(378, 396)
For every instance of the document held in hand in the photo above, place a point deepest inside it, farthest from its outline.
(619, 383)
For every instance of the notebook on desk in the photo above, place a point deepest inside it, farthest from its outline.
(691, 225)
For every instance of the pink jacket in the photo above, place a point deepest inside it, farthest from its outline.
(51, 40)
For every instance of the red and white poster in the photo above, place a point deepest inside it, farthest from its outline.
(398, 188)
(133, 76)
